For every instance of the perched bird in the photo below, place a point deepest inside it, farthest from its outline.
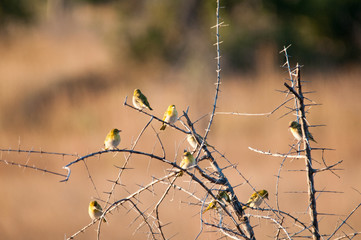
(296, 131)
(170, 116)
(222, 195)
(256, 199)
(187, 162)
(112, 140)
(140, 101)
(192, 140)
(95, 210)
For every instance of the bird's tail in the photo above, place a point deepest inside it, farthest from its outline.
(163, 126)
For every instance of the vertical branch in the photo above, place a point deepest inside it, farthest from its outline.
(235, 203)
(308, 161)
(218, 70)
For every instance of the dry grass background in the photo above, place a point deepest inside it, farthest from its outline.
(62, 90)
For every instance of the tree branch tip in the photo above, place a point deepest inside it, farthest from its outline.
(285, 49)
(186, 112)
(67, 176)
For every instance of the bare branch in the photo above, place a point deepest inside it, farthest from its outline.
(277, 154)
(275, 221)
(218, 71)
(307, 148)
(344, 221)
(157, 207)
(329, 167)
(348, 236)
(254, 114)
(82, 229)
(39, 152)
(31, 167)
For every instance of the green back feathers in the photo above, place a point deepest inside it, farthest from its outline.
(263, 193)
(255, 195)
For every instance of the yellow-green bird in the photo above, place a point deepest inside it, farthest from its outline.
(140, 101)
(296, 131)
(112, 140)
(192, 140)
(170, 116)
(222, 195)
(95, 210)
(187, 162)
(256, 199)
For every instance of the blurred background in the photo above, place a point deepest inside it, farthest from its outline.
(66, 68)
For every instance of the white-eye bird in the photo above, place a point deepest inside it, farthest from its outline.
(187, 162)
(95, 210)
(112, 139)
(256, 199)
(170, 116)
(222, 195)
(296, 131)
(140, 101)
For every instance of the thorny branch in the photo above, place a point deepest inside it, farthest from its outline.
(276, 154)
(31, 167)
(157, 208)
(308, 160)
(39, 152)
(344, 221)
